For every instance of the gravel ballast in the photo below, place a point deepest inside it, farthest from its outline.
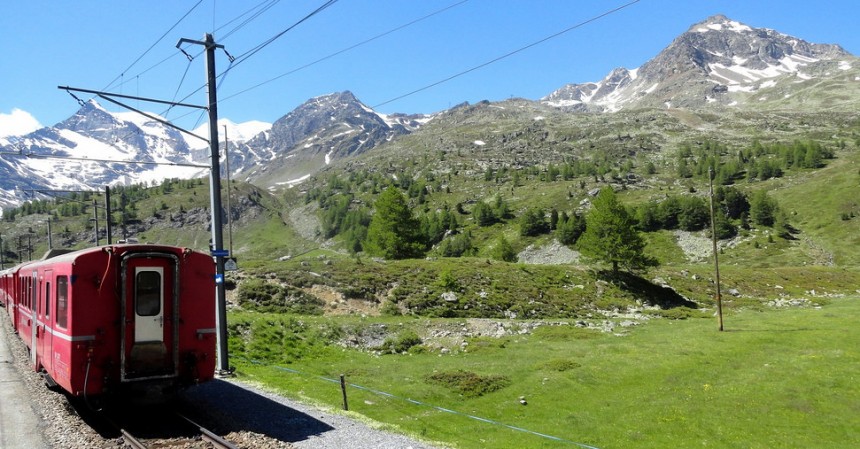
(245, 415)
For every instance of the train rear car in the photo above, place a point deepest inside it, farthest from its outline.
(7, 291)
(123, 319)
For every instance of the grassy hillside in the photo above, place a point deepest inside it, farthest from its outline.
(526, 156)
(773, 379)
(631, 357)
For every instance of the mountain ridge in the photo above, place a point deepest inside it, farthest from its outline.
(718, 64)
(714, 61)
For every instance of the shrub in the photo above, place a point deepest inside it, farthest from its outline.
(262, 296)
(401, 343)
(560, 365)
(469, 384)
(389, 308)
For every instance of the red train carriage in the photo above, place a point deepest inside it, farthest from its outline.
(7, 280)
(137, 319)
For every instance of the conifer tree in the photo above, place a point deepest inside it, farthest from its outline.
(393, 232)
(610, 234)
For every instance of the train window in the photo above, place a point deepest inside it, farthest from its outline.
(148, 293)
(62, 301)
(47, 301)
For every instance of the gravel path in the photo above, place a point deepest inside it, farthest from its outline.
(285, 420)
(244, 415)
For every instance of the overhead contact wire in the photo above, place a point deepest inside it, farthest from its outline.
(352, 47)
(244, 56)
(154, 44)
(509, 54)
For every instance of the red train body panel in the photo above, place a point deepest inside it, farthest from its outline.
(136, 319)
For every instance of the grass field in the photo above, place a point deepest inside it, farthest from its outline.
(773, 378)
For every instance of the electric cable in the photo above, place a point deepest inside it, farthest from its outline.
(173, 54)
(245, 56)
(509, 54)
(248, 20)
(351, 47)
(153, 44)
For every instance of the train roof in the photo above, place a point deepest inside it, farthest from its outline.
(69, 255)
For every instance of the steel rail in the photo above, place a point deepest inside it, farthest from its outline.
(131, 440)
(211, 437)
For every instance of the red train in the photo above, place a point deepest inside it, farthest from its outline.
(136, 320)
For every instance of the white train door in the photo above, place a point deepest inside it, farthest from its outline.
(149, 305)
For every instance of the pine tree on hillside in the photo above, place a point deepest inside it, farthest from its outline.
(610, 234)
(393, 232)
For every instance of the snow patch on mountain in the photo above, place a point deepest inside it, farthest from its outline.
(236, 132)
(729, 25)
(718, 61)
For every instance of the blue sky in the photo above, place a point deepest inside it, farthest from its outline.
(89, 44)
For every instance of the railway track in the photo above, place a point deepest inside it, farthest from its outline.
(202, 433)
(207, 435)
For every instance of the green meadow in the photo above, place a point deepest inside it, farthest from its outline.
(773, 378)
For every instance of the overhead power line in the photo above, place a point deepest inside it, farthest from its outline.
(351, 47)
(263, 6)
(109, 161)
(245, 56)
(262, 10)
(509, 54)
(153, 45)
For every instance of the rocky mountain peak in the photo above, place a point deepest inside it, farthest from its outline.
(715, 62)
(319, 131)
(90, 116)
(719, 22)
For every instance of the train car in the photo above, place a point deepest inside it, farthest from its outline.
(123, 320)
(6, 288)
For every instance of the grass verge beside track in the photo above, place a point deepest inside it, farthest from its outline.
(775, 378)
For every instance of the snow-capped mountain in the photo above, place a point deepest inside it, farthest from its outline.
(235, 132)
(310, 137)
(73, 154)
(718, 61)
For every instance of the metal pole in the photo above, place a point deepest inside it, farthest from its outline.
(122, 215)
(29, 246)
(215, 194)
(229, 191)
(714, 240)
(108, 218)
(96, 219)
(50, 235)
(1, 251)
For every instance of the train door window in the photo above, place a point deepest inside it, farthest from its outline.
(37, 301)
(62, 301)
(148, 293)
(48, 301)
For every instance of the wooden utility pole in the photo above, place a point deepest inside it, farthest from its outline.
(714, 241)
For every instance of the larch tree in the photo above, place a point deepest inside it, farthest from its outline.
(610, 234)
(393, 232)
